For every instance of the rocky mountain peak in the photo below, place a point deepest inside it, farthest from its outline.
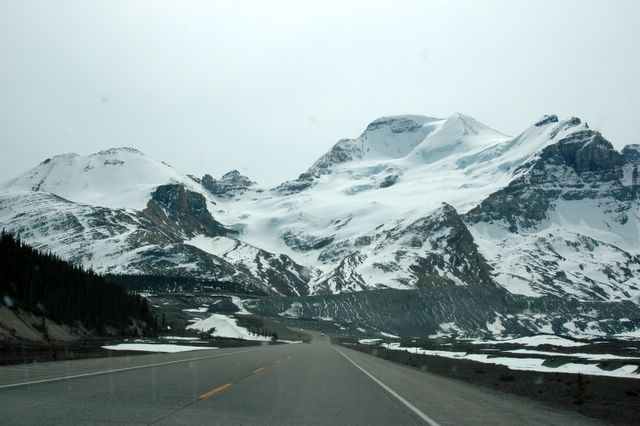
(60, 157)
(598, 154)
(547, 119)
(182, 213)
(233, 175)
(344, 150)
(124, 149)
(399, 123)
(230, 184)
(632, 153)
(584, 150)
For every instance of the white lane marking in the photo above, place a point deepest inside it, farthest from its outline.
(97, 373)
(409, 405)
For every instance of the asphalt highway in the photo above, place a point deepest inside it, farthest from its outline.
(289, 384)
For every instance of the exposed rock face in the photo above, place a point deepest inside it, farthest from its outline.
(547, 119)
(231, 184)
(344, 277)
(304, 181)
(397, 124)
(283, 274)
(182, 213)
(435, 250)
(571, 221)
(501, 205)
(585, 151)
(598, 154)
(581, 165)
(388, 181)
(631, 153)
(301, 242)
(343, 151)
(453, 250)
(446, 251)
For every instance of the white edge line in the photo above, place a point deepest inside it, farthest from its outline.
(116, 370)
(409, 405)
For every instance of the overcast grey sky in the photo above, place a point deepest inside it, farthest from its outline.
(267, 86)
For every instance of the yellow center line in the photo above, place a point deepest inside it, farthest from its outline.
(228, 385)
(215, 391)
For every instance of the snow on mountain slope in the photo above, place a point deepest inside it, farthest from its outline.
(436, 249)
(412, 202)
(372, 183)
(136, 242)
(569, 225)
(396, 137)
(358, 193)
(457, 135)
(81, 234)
(558, 261)
(344, 214)
(114, 178)
(268, 267)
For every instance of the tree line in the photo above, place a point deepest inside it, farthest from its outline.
(46, 285)
(178, 284)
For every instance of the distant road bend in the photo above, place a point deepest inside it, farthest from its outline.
(296, 384)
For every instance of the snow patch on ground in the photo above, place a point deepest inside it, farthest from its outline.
(154, 347)
(179, 338)
(240, 304)
(294, 311)
(369, 341)
(224, 326)
(531, 364)
(591, 357)
(629, 335)
(539, 340)
(447, 329)
(200, 310)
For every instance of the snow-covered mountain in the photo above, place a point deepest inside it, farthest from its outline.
(413, 202)
(553, 210)
(114, 178)
(119, 211)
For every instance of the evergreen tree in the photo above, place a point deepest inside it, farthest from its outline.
(45, 285)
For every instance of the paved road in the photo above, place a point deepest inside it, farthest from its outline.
(297, 384)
